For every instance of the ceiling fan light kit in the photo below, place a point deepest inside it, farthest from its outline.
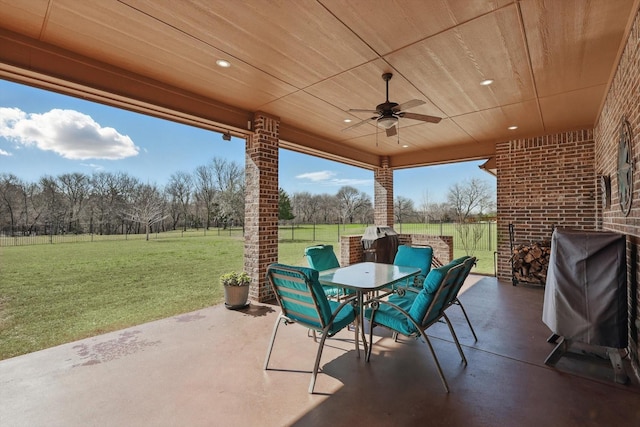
(388, 113)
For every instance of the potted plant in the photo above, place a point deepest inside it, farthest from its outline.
(236, 289)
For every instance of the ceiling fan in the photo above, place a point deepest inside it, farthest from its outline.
(388, 113)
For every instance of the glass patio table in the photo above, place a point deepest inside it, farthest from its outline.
(363, 278)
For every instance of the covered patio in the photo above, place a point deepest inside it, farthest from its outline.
(205, 368)
(565, 83)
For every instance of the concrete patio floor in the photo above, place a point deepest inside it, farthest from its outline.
(205, 369)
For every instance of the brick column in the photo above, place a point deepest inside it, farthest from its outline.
(383, 194)
(261, 204)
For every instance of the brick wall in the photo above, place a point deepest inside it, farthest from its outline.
(351, 250)
(544, 182)
(261, 205)
(623, 100)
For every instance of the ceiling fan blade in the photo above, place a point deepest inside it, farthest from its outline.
(356, 110)
(408, 104)
(392, 131)
(421, 117)
(360, 123)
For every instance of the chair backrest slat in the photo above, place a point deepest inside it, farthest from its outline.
(299, 294)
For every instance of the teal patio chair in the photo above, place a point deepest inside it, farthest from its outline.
(415, 256)
(303, 301)
(468, 263)
(411, 313)
(322, 257)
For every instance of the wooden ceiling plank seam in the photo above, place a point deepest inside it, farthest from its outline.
(523, 34)
(45, 20)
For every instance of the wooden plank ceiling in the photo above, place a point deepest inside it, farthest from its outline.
(309, 62)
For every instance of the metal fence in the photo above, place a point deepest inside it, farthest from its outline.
(485, 233)
(17, 239)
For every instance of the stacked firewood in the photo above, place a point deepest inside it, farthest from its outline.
(531, 261)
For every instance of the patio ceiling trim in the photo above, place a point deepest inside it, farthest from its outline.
(448, 154)
(38, 64)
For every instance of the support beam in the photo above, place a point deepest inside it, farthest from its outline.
(383, 194)
(261, 204)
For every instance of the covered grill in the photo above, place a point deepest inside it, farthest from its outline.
(380, 244)
(585, 299)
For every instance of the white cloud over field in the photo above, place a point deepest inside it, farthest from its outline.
(69, 133)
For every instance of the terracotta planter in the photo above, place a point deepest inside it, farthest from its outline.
(236, 297)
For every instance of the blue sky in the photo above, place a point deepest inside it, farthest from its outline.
(44, 133)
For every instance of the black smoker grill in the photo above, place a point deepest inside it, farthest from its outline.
(585, 298)
(380, 244)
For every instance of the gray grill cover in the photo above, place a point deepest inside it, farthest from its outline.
(585, 298)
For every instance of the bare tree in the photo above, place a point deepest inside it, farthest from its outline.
(11, 190)
(75, 188)
(305, 206)
(470, 197)
(148, 208)
(467, 199)
(205, 191)
(403, 209)
(229, 181)
(424, 207)
(328, 209)
(350, 201)
(53, 204)
(179, 190)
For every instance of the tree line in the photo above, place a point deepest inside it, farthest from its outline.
(210, 196)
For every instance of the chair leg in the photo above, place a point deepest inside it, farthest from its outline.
(435, 359)
(368, 353)
(455, 338)
(457, 301)
(273, 338)
(316, 366)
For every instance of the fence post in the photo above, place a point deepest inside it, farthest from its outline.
(489, 224)
(314, 231)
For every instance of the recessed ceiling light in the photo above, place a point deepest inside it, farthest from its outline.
(347, 120)
(405, 146)
(486, 82)
(222, 63)
(512, 127)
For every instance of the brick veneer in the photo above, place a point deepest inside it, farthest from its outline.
(544, 182)
(623, 100)
(351, 250)
(261, 204)
(383, 194)
(552, 180)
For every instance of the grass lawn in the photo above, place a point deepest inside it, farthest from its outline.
(56, 293)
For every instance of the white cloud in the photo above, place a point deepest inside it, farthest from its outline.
(317, 176)
(326, 178)
(69, 133)
(93, 166)
(4, 153)
(350, 181)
